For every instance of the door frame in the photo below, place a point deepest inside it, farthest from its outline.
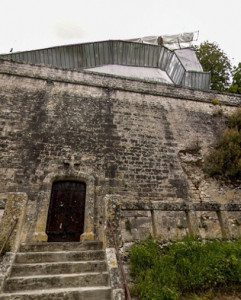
(45, 195)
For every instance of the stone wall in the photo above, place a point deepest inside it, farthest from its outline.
(13, 217)
(3, 200)
(130, 138)
(173, 221)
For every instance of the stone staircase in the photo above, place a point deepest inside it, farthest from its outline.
(58, 271)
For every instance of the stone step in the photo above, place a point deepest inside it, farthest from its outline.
(58, 268)
(15, 284)
(51, 247)
(41, 257)
(93, 293)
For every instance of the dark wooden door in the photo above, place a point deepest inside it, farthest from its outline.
(66, 211)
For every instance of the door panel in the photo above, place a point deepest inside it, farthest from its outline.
(66, 211)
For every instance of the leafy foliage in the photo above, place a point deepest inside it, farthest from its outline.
(184, 267)
(236, 83)
(234, 120)
(215, 61)
(6, 249)
(225, 159)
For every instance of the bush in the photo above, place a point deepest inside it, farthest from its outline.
(225, 159)
(6, 249)
(234, 121)
(184, 267)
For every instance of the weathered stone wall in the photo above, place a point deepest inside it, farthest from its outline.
(123, 137)
(173, 221)
(3, 200)
(13, 218)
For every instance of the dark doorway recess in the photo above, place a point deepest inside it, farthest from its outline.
(66, 211)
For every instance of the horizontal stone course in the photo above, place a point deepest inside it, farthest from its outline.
(185, 206)
(39, 257)
(40, 247)
(113, 82)
(58, 268)
(93, 293)
(56, 281)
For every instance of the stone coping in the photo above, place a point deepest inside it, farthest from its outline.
(115, 83)
(184, 206)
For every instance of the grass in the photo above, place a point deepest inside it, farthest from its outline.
(184, 268)
(214, 101)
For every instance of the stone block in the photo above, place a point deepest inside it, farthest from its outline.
(171, 224)
(209, 225)
(15, 209)
(234, 223)
(137, 227)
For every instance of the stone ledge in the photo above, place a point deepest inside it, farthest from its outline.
(113, 82)
(164, 206)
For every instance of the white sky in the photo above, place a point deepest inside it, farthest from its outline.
(34, 24)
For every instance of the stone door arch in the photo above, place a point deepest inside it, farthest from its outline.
(44, 204)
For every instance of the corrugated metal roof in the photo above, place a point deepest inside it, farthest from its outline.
(91, 55)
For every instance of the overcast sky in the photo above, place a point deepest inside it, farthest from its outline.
(33, 24)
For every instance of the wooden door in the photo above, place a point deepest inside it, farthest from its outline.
(66, 211)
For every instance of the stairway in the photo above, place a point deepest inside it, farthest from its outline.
(58, 271)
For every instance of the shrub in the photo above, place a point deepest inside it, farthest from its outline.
(6, 249)
(218, 112)
(184, 267)
(225, 159)
(128, 225)
(214, 101)
(234, 121)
